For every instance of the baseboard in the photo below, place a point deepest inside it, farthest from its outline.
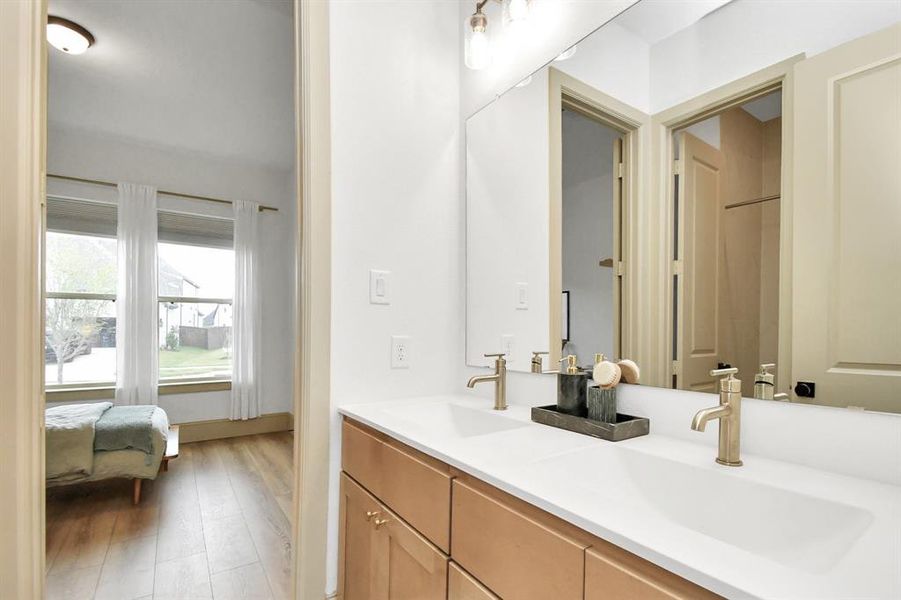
(216, 429)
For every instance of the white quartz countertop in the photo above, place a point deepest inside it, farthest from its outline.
(768, 529)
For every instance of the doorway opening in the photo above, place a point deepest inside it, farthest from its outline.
(726, 190)
(592, 227)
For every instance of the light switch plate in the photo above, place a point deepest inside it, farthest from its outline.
(508, 346)
(400, 351)
(379, 288)
(522, 296)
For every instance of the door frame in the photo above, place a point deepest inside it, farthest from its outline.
(23, 121)
(663, 125)
(565, 90)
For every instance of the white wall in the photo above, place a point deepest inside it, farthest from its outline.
(748, 35)
(507, 183)
(85, 154)
(396, 204)
(588, 234)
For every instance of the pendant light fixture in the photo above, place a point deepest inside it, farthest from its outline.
(68, 36)
(477, 43)
(477, 47)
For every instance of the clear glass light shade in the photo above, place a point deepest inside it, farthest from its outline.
(516, 11)
(568, 53)
(477, 48)
(66, 39)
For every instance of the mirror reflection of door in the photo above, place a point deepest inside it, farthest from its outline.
(728, 180)
(847, 211)
(592, 197)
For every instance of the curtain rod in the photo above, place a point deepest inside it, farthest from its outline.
(188, 196)
(754, 201)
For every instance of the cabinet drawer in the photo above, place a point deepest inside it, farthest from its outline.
(513, 554)
(413, 485)
(462, 586)
(612, 573)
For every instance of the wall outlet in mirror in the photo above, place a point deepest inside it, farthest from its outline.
(522, 296)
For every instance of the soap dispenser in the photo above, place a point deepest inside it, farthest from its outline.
(764, 386)
(571, 388)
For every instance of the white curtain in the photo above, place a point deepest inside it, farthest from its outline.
(137, 312)
(246, 314)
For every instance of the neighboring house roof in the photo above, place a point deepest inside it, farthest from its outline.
(171, 281)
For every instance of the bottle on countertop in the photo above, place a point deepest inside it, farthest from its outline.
(571, 388)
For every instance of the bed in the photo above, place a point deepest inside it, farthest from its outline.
(96, 441)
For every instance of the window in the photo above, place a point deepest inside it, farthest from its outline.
(196, 286)
(80, 313)
(196, 265)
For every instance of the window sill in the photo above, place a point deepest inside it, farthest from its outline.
(103, 392)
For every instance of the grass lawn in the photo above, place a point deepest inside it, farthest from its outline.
(195, 362)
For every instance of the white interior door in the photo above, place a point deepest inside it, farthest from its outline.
(846, 305)
(700, 187)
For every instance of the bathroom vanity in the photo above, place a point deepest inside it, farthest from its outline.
(445, 497)
(416, 527)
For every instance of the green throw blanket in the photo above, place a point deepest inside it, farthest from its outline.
(125, 428)
(70, 436)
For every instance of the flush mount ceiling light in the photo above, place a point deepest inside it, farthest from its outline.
(477, 45)
(67, 36)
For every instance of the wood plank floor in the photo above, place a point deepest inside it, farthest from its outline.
(216, 525)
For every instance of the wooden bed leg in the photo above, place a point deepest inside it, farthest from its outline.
(165, 464)
(137, 491)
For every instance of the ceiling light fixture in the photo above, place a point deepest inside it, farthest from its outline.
(67, 36)
(477, 47)
(568, 53)
(477, 43)
(516, 11)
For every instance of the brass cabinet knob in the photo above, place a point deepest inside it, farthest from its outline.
(372, 513)
(380, 522)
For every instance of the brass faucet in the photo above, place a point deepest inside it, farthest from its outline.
(729, 415)
(537, 364)
(499, 378)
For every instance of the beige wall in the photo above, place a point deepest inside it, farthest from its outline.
(749, 294)
(769, 242)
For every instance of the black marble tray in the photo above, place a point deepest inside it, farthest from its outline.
(626, 426)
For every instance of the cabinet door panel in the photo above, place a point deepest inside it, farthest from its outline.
(510, 552)
(357, 543)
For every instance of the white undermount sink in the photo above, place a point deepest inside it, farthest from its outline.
(453, 419)
(793, 529)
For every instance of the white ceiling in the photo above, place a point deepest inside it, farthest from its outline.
(766, 107)
(209, 76)
(654, 20)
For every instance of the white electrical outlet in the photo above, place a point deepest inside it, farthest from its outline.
(400, 352)
(522, 296)
(507, 346)
(379, 290)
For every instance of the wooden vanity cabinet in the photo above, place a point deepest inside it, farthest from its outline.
(413, 528)
(381, 557)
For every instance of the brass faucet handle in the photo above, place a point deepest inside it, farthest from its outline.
(537, 354)
(498, 355)
(765, 368)
(720, 372)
